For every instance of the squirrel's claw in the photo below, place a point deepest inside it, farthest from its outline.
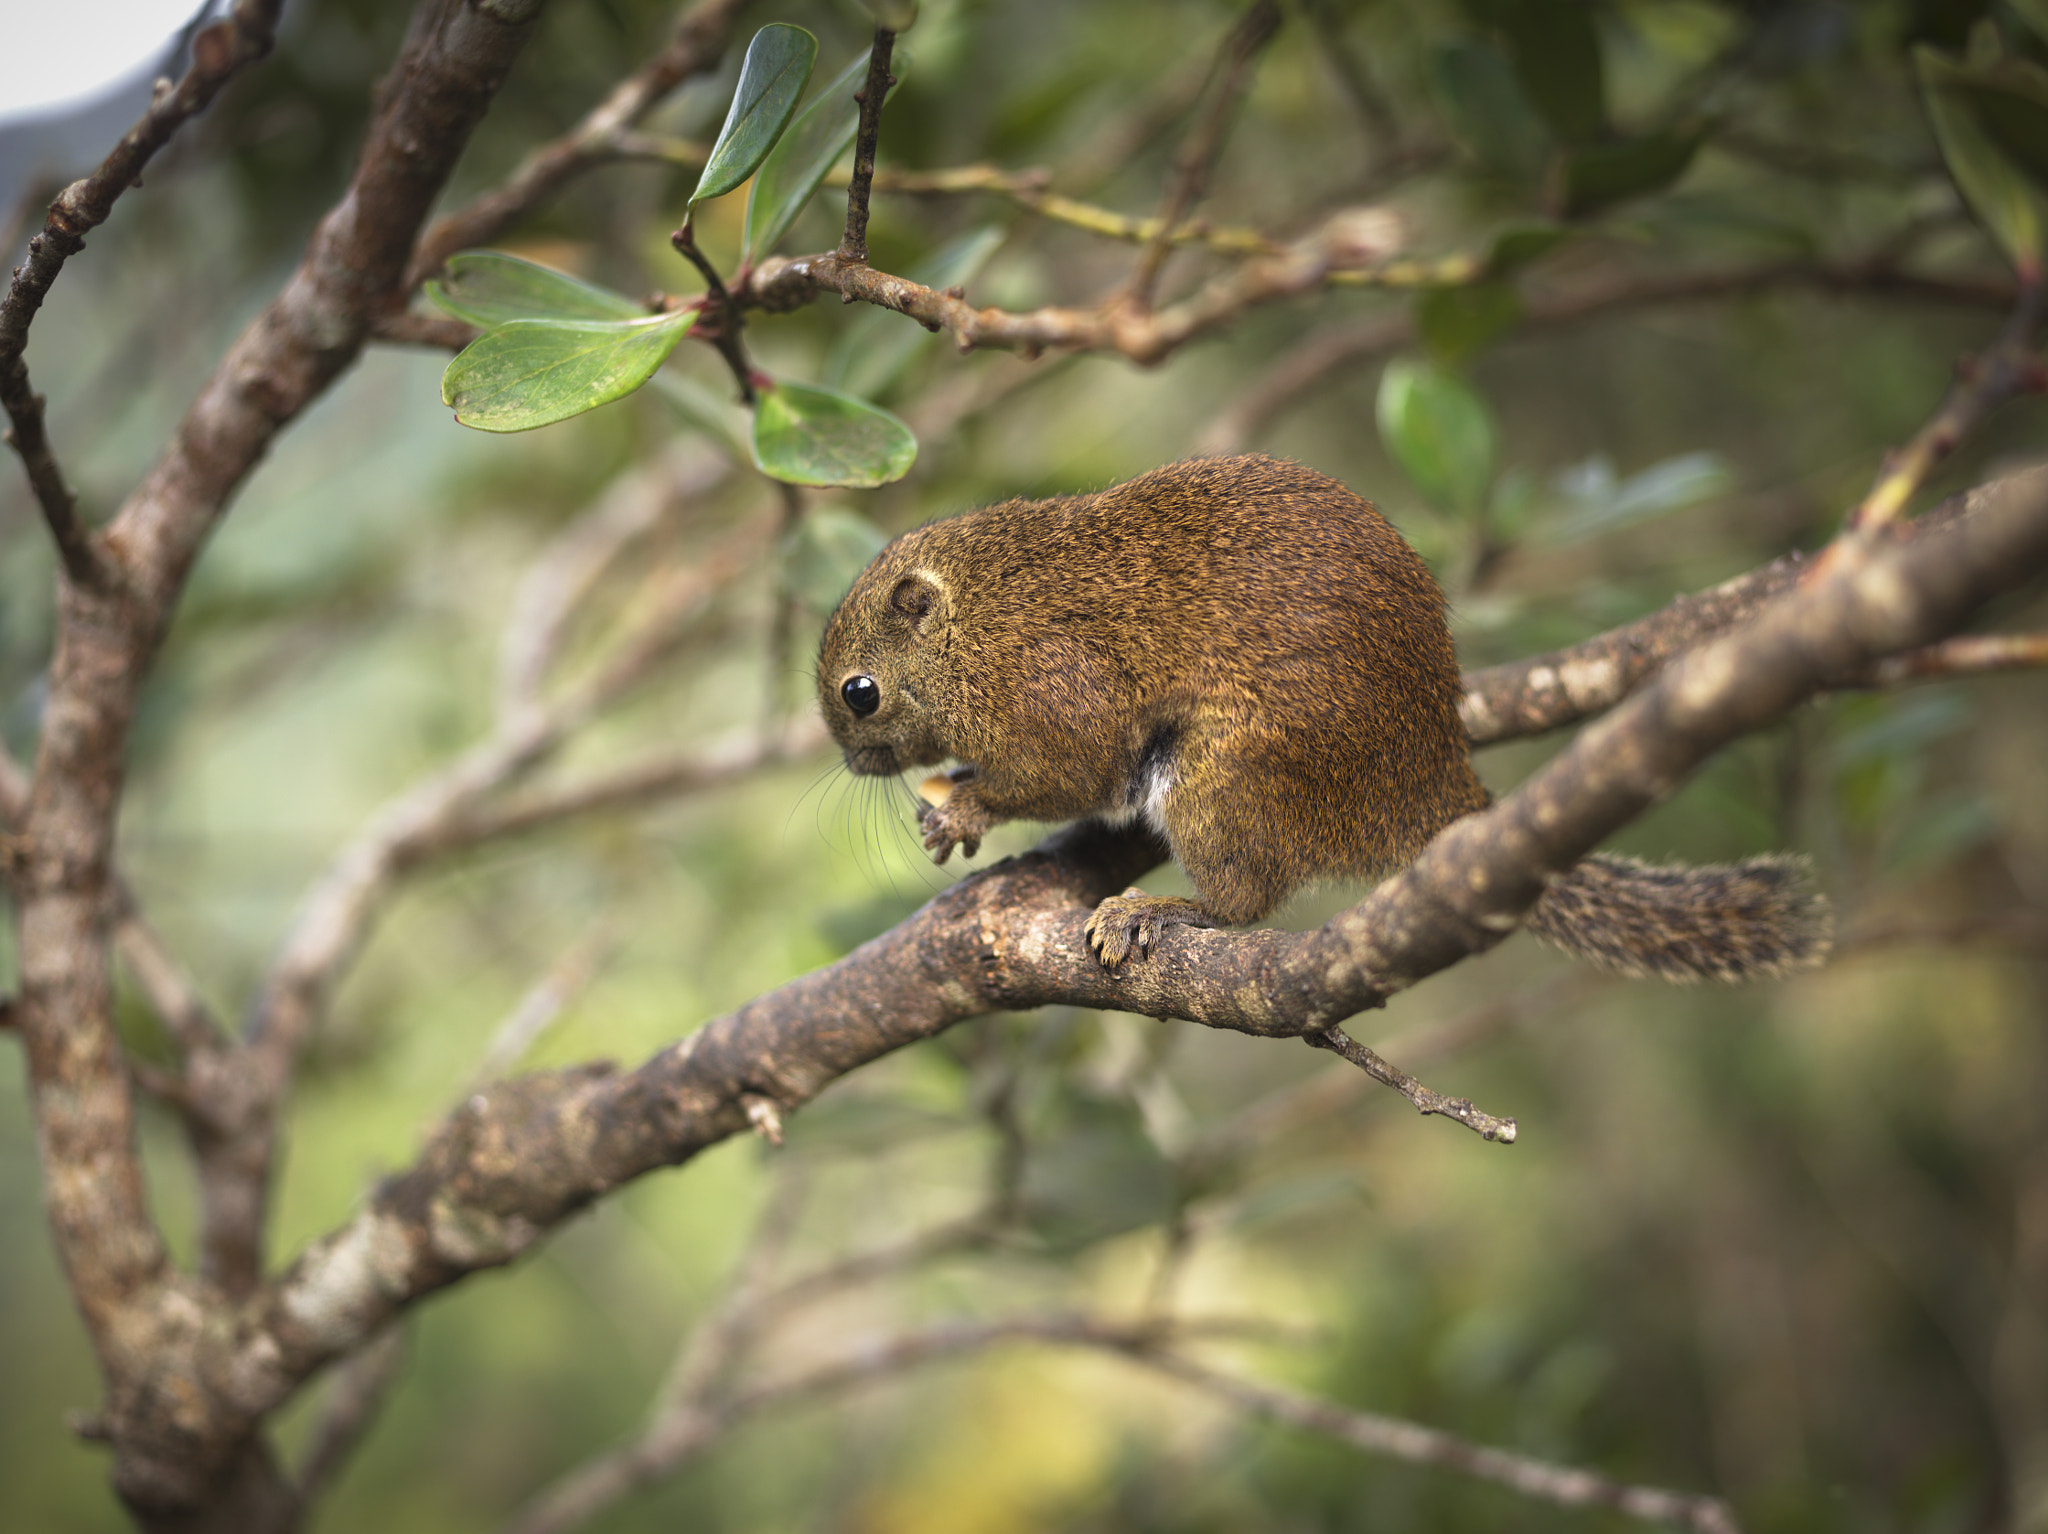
(1124, 925)
(1130, 925)
(941, 836)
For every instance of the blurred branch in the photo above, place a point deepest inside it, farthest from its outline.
(1965, 655)
(357, 1395)
(543, 1003)
(219, 53)
(648, 782)
(2025, 930)
(1412, 1443)
(2009, 367)
(697, 45)
(687, 1432)
(1546, 692)
(1028, 190)
(1323, 352)
(1375, 113)
(1198, 152)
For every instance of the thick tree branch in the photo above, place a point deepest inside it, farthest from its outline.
(520, 1157)
(1546, 692)
(144, 1321)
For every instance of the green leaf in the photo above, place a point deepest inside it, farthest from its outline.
(800, 160)
(1602, 503)
(772, 78)
(1458, 323)
(872, 352)
(824, 554)
(488, 287)
(1556, 52)
(2001, 196)
(805, 435)
(1440, 432)
(2011, 101)
(1600, 175)
(1519, 244)
(530, 373)
(1487, 111)
(2034, 13)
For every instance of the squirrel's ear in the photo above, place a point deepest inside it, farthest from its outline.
(916, 601)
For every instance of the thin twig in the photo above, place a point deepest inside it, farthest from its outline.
(2008, 368)
(1352, 246)
(1412, 1443)
(1197, 156)
(1964, 655)
(1324, 351)
(543, 1003)
(219, 52)
(1028, 189)
(1426, 1102)
(853, 244)
(361, 1387)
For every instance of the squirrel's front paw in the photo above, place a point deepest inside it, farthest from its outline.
(1132, 922)
(945, 829)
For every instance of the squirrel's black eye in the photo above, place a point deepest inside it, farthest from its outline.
(861, 695)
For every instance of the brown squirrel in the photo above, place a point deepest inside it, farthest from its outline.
(1250, 658)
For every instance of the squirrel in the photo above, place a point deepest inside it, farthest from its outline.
(1248, 657)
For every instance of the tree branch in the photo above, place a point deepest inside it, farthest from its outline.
(1323, 352)
(517, 1159)
(853, 244)
(146, 1322)
(1197, 156)
(219, 52)
(698, 43)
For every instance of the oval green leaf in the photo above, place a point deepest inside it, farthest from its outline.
(488, 287)
(532, 373)
(2001, 196)
(1598, 176)
(801, 158)
(1555, 46)
(804, 435)
(825, 553)
(1458, 323)
(1488, 113)
(1440, 432)
(772, 78)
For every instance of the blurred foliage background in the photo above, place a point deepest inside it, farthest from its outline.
(1785, 1243)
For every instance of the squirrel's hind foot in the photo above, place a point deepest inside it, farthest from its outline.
(1130, 924)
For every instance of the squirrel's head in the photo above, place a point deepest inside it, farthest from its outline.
(881, 667)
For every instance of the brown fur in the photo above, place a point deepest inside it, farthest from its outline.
(1239, 650)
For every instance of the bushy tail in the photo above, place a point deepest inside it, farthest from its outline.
(1737, 921)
